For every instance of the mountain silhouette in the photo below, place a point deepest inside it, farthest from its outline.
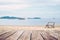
(12, 17)
(34, 18)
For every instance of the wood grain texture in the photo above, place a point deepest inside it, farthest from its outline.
(30, 35)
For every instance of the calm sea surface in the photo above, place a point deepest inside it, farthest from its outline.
(42, 21)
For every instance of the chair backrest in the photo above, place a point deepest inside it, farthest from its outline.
(51, 23)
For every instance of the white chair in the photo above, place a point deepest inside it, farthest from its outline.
(50, 25)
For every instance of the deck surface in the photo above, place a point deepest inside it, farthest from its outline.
(30, 35)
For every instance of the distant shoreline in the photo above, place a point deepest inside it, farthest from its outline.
(13, 17)
(2, 27)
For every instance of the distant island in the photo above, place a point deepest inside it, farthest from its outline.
(35, 18)
(8, 17)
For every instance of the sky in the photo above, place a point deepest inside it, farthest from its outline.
(30, 8)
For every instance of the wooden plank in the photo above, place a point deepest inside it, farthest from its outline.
(25, 36)
(36, 35)
(47, 36)
(6, 35)
(58, 37)
(29, 35)
(44, 35)
(52, 33)
(58, 32)
(3, 32)
(15, 36)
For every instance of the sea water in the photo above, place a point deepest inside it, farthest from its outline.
(42, 21)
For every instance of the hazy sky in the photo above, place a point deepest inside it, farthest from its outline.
(30, 8)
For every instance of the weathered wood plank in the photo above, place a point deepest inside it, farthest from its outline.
(15, 36)
(58, 37)
(25, 36)
(36, 35)
(3, 32)
(44, 35)
(6, 35)
(58, 32)
(29, 35)
(47, 36)
(52, 33)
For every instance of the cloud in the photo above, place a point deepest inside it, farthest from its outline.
(54, 2)
(13, 4)
(8, 2)
(30, 7)
(46, 2)
(14, 7)
(12, 1)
